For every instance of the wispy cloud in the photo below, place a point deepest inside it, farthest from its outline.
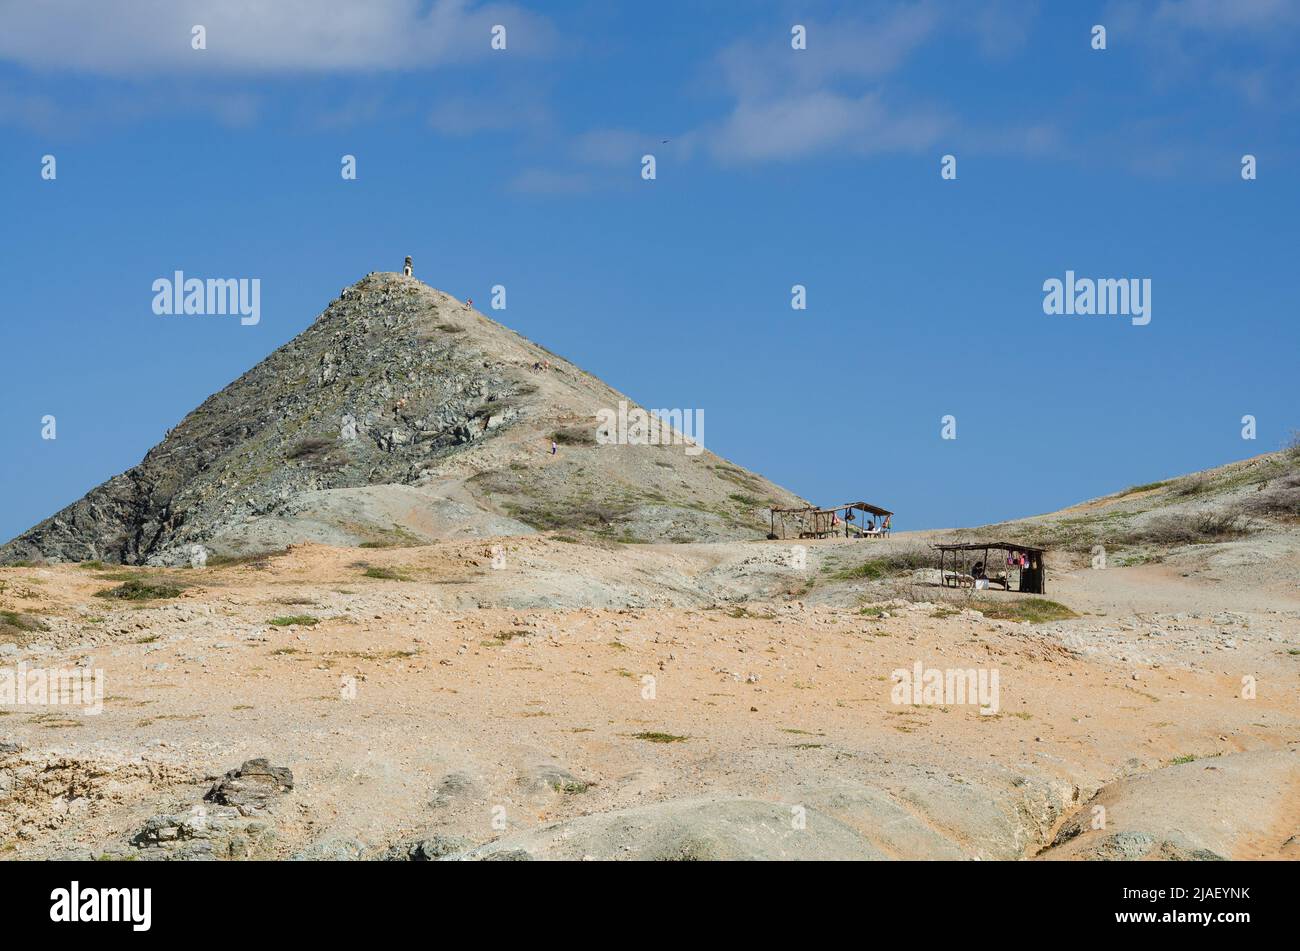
(147, 37)
(843, 95)
(1249, 45)
(857, 49)
(54, 115)
(800, 125)
(1253, 16)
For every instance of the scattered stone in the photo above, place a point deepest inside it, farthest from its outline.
(508, 855)
(454, 788)
(331, 850)
(551, 778)
(432, 849)
(252, 786)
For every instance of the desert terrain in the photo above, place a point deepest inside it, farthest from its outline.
(487, 698)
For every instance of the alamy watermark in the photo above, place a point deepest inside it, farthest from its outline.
(657, 427)
(215, 296)
(77, 904)
(1103, 297)
(935, 686)
(53, 687)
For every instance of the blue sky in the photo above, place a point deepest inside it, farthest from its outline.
(818, 167)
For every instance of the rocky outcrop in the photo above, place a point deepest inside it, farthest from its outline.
(205, 833)
(395, 384)
(251, 787)
(431, 849)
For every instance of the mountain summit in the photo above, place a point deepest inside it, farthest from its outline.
(401, 416)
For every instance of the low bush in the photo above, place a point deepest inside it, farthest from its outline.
(18, 628)
(575, 436)
(1033, 610)
(1277, 499)
(889, 564)
(140, 589)
(1197, 529)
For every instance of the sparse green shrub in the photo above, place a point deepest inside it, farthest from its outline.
(575, 436)
(139, 589)
(1033, 610)
(385, 574)
(889, 564)
(258, 560)
(16, 627)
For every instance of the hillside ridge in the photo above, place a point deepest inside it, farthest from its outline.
(398, 384)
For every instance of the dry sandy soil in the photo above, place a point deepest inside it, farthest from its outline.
(529, 697)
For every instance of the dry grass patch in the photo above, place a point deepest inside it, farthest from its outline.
(19, 628)
(1032, 610)
(142, 589)
(292, 619)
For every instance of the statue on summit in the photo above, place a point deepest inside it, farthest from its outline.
(406, 268)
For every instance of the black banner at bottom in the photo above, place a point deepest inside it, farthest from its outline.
(301, 899)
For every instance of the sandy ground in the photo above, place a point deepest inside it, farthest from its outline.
(526, 697)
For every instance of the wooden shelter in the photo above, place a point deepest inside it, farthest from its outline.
(1021, 565)
(812, 522)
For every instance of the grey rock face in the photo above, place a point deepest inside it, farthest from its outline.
(252, 786)
(426, 850)
(395, 384)
(331, 850)
(455, 789)
(205, 833)
(376, 356)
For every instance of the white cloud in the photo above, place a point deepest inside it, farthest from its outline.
(851, 49)
(839, 95)
(791, 104)
(797, 126)
(49, 115)
(1247, 47)
(1213, 15)
(257, 37)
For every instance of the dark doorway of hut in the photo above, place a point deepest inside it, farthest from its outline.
(853, 519)
(1014, 566)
